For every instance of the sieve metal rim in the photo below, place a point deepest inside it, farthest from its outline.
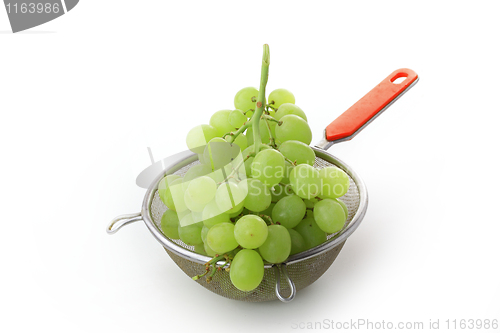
(201, 259)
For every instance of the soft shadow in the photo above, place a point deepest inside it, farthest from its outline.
(28, 32)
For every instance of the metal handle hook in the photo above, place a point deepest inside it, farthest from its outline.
(293, 290)
(121, 221)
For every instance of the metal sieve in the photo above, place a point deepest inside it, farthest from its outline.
(301, 269)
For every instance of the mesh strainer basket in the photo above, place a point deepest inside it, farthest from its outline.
(301, 269)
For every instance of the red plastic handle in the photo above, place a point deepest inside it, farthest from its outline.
(348, 124)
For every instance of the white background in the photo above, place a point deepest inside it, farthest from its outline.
(83, 97)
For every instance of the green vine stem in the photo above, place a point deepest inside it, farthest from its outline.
(264, 74)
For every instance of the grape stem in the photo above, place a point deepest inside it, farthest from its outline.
(272, 119)
(290, 161)
(233, 136)
(264, 74)
(237, 167)
(268, 218)
(270, 106)
(272, 142)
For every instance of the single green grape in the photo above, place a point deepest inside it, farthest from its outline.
(277, 245)
(209, 251)
(298, 242)
(200, 249)
(191, 205)
(310, 202)
(249, 161)
(199, 136)
(329, 215)
(280, 191)
(258, 195)
(305, 181)
(293, 127)
(194, 172)
(247, 270)
(250, 231)
(289, 211)
(220, 121)
(245, 99)
(298, 152)
(335, 182)
(212, 214)
(220, 237)
(219, 153)
(175, 198)
(170, 224)
(344, 206)
(163, 187)
(268, 166)
(202, 190)
(289, 108)
(204, 232)
(229, 197)
(189, 232)
(278, 97)
(312, 234)
(241, 141)
(237, 118)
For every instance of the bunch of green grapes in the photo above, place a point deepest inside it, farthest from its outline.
(256, 196)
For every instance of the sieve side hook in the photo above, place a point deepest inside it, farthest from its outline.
(293, 290)
(121, 221)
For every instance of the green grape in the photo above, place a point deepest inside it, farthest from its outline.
(278, 97)
(202, 190)
(247, 270)
(212, 215)
(190, 232)
(289, 108)
(258, 195)
(219, 153)
(220, 237)
(293, 128)
(241, 141)
(198, 137)
(279, 191)
(329, 215)
(194, 172)
(200, 248)
(335, 182)
(346, 210)
(163, 185)
(289, 211)
(286, 177)
(208, 250)
(268, 166)
(220, 121)
(249, 161)
(305, 181)
(191, 205)
(229, 197)
(298, 152)
(298, 242)
(201, 158)
(310, 202)
(250, 231)
(277, 245)
(204, 232)
(245, 99)
(269, 210)
(175, 198)
(170, 224)
(237, 118)
(312, 234)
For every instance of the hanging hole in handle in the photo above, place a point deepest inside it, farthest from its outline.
(399, 78)
(293, 290)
